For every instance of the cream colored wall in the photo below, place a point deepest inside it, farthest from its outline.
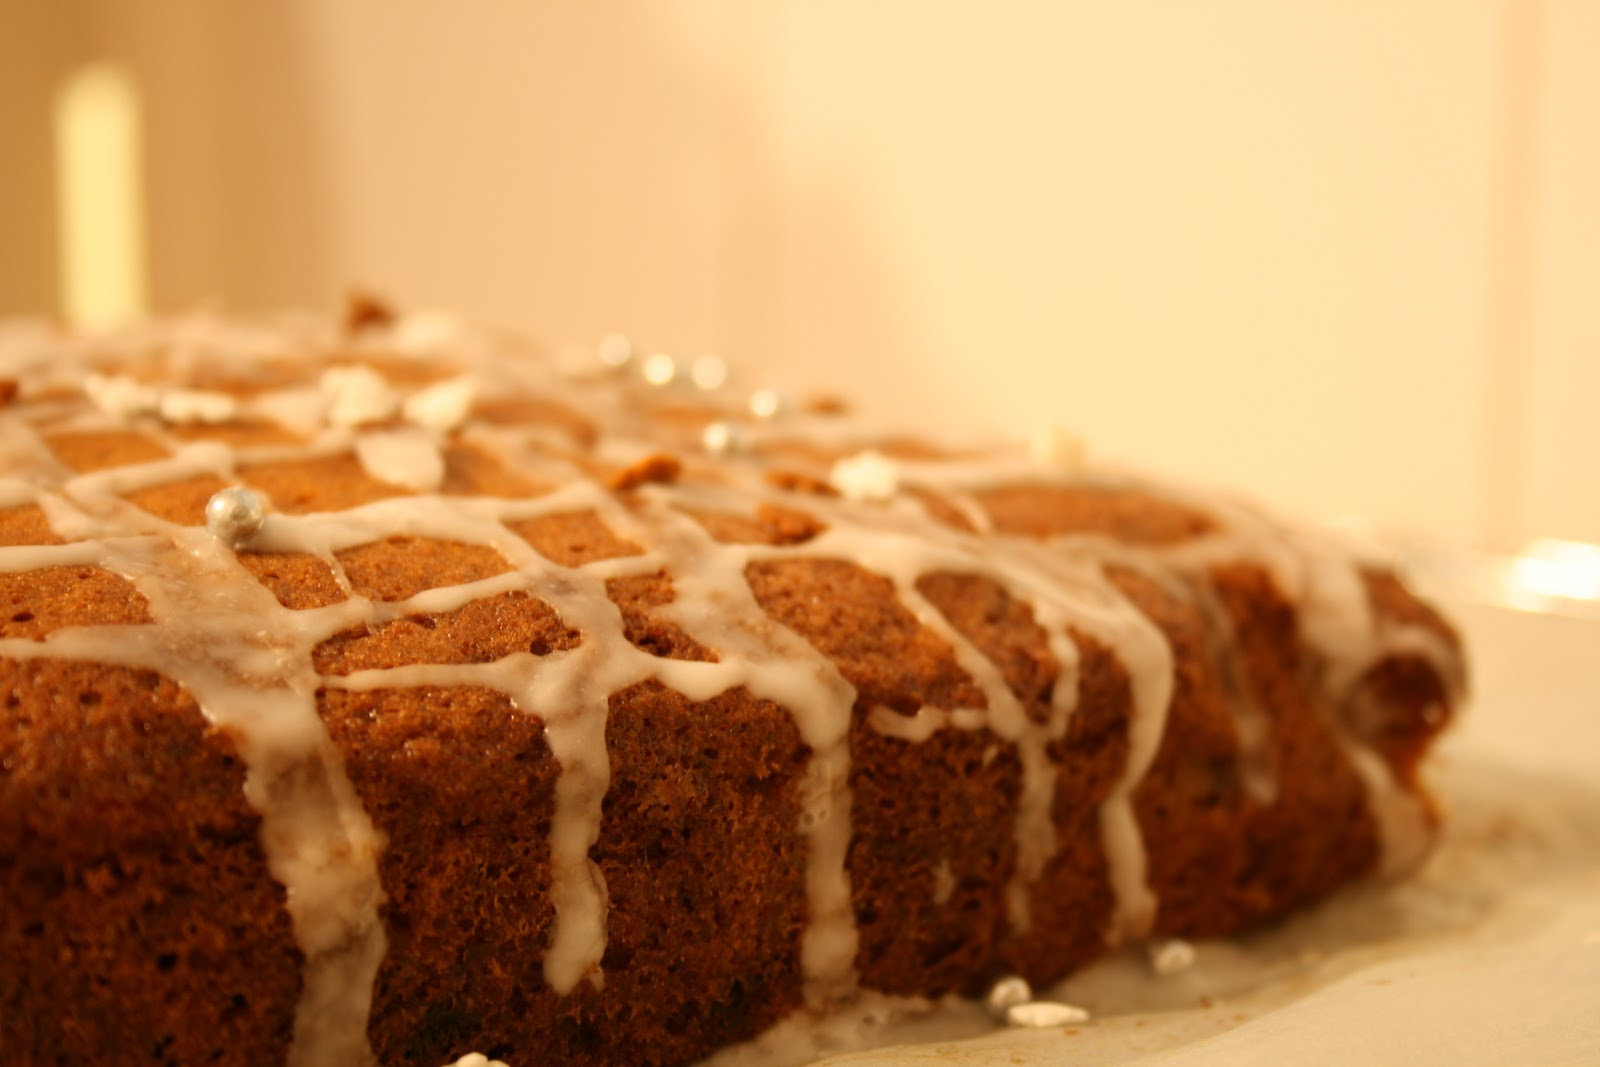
(1559, 463)
(1241, 241)
(37, 45)
(1341, 256)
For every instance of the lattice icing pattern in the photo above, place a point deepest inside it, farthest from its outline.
(445, 511)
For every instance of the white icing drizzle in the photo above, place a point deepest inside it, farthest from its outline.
(1148, 658)
(1258, 770)
(256, 678)
(1095, 606)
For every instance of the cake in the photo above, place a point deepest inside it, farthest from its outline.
(381, 691)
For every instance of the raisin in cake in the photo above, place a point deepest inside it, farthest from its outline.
(571, 718)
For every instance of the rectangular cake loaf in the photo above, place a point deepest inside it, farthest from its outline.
(380, 692)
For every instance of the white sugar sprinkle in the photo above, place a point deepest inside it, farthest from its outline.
(476, 1059)
(1006, 994)
(407, 458)
(357, 395)
(426, 333)
(1043, 1014)
(198, 406)
(300, 409)
(120, 396)
(1058, 450)
(868, 475)
(442, 405)
(1171, 957)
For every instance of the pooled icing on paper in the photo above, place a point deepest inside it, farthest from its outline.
(247, 659)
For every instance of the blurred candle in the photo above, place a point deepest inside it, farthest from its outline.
(99, 197)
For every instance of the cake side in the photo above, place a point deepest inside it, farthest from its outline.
(618, 737)
(141, 924)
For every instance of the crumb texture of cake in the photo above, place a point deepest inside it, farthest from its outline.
(577, 717)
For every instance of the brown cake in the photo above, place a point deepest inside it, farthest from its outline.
(574, 717)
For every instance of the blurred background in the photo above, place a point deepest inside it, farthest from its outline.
(1340, 256)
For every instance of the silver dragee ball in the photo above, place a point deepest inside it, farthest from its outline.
(768, 404)
(235, 515)
(659, 369)
(724, 438)
(615, 350)
(709, 373)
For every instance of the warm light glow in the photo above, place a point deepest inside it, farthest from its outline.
(1567, 569)
(100, 198)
